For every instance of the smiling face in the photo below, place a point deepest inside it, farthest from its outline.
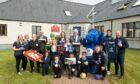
(97, 49)
(118, 34)
(33, 37)
(41, 33)
(108, 33)
(20, 38)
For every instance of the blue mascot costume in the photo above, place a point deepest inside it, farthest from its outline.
(89, 42)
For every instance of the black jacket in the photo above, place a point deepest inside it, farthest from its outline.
(102, 57)
(124, 44)
(34, 45)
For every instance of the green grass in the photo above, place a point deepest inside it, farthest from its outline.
(8, 73)
(132, 69)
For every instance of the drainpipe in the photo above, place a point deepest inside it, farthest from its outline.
(112, 25)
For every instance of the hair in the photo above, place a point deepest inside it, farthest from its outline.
(109, 30)
(18, 40)
(83, 52)
(64, 34)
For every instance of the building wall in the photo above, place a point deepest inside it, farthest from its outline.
(14, 28)
(68, 28)
(106, 24)
(117, 25)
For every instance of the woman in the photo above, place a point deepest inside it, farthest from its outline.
(18, 48)
(100, 60)
(62, 38)
(25, 61)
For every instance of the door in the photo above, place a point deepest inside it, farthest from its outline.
(79, 29)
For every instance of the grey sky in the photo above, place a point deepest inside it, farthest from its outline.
(92, 2)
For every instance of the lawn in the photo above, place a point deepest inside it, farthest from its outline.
(8, 73)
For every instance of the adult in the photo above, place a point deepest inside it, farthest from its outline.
(34, 45)
(100, 59)
(76, 42)
(121, 45)
(18, 48)
(108, 48)
(62, 39)
(42, 39)
(25, 61)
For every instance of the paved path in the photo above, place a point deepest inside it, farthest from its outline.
(89, 80)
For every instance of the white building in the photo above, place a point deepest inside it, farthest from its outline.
(31, 16)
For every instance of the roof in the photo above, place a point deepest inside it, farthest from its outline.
(107, 11)
(47, 11)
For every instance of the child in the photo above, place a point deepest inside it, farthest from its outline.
(57, 67)
(53, 49)
(45, 64)
(83, 64)
(71, 67)
(69, 47)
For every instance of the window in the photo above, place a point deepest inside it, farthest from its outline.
(3, 30)
(137, 3)
(115, 1)
(131, 30)
(68, 13)
(99, 28)
(36, 29)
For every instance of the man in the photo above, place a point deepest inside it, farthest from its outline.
(75, 40)
(121, 45)
(42, 39)
(108, 48)
(34, 45)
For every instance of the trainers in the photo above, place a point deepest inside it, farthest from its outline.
(22, 69)
(19, 73)
(108, 72)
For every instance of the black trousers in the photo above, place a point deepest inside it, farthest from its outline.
(119, 62)
(100, 71)
(45, 68)
(24, 62)
(76, 53)
(18, 60)
(57, 71)
(31, 65)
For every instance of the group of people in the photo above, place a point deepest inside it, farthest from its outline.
(52, 59)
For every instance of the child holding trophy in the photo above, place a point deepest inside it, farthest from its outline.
(57, 67)
(71, 65)
(83, 64)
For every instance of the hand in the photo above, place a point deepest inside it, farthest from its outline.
(40, 61)
(120, 44)
(97, 62)
(104, 43)
(86, 63)
(23, 52)
(79, 62)
(21, 48)
(103, 68)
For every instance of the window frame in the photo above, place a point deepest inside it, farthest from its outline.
(127, 29)
(36, 26)
(5, 30)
